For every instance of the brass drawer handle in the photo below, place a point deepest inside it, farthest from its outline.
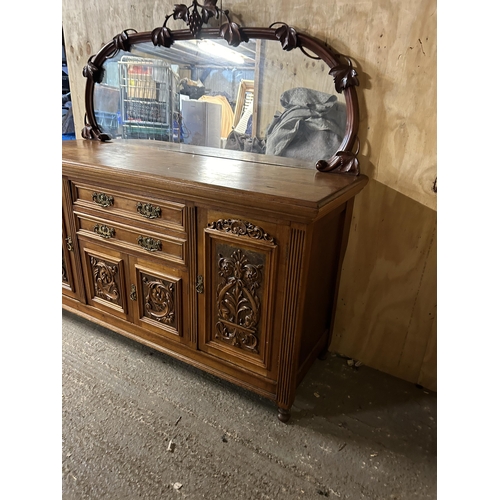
(149, 211)
(103, 199)
(149, 243)
(104, 231)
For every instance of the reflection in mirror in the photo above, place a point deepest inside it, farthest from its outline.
(254, 98)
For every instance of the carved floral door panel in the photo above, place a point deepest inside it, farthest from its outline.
(104, 272)
(238, 268)
(160, 297)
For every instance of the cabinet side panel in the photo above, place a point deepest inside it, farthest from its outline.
(321, 281)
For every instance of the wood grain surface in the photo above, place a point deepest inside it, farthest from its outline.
(386, 311)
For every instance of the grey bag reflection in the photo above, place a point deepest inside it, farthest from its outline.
(310, 128)
(244, 142)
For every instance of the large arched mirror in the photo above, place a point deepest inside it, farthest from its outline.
(233, 91)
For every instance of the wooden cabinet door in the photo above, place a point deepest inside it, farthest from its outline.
(106, 282)
(69, 286)
(160, 298)
(238, 265)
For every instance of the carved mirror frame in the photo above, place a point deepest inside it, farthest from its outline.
(198, 14)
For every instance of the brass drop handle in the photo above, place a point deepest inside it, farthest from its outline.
(149, 244)
(104, 231)
(133, 293)
(103, 199)
(148, 210)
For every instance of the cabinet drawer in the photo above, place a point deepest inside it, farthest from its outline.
(169, 214)
(130, 238)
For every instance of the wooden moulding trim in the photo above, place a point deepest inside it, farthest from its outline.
(342, 161)
(288, 352)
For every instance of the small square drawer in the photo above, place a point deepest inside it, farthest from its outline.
(165, 213)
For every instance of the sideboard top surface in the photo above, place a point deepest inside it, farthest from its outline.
(152, 164)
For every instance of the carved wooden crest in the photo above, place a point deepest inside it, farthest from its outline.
(240, 228)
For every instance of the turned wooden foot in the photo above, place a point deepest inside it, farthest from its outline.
(323, 355)
(284, 415)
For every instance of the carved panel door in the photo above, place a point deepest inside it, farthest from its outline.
(160, 297)
(238, 266)
(143, 291)
(105, 275)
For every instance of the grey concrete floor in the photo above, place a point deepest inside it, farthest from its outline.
(354, 433)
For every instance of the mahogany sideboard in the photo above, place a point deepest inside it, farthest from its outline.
(230, 265)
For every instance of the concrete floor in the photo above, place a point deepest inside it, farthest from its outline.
(353, 433)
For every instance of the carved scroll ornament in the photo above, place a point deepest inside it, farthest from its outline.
(238, 305)
(159, 300)
(105, 285)
(240, 228)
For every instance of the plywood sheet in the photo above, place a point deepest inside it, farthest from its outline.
(387, 299)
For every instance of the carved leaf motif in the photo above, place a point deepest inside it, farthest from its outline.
(344, 76)
(122, 41)
(88, 132)
(232, 34)
(209, 10)
(238, 303)
(162, 36)
(240, 228)
(181, 11)
(91, 71)
(348, 163)
(287, 37)
(193, 17)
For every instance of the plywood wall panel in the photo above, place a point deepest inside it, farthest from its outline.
(388, 289)
(393, 46)
(387, 298)
(427, 377)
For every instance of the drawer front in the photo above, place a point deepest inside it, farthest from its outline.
(142, 208)
(130, 238)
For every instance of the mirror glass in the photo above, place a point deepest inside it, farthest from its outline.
(255, 98)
